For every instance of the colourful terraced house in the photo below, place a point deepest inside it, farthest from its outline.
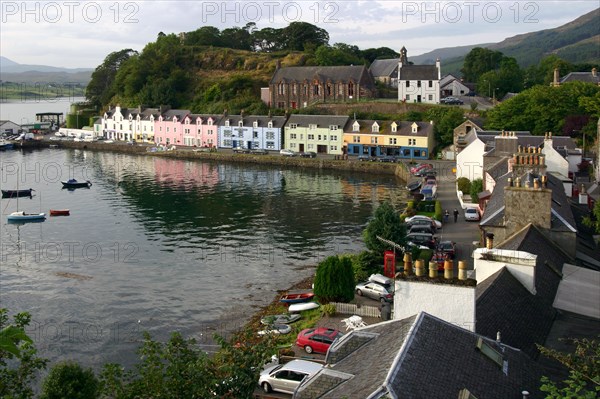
(410, 140)
(200, 130)
(168, 128)
(251, 132)
(322, 134)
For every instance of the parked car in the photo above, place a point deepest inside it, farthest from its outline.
(308, 154)
(425, 172)
(287, 153)
(286, 377)
(386, 158)
(425, 221)
(241, 150)
(451, 101)
(259, 151)
(364, 158)
(447, 247)
(472, 214)
(420, 228)
(374, 290)
(420, 166)
(411, 220)
(317, 340)
(422, 239)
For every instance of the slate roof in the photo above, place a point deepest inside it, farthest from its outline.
(493, 214)
(248, 120)
(557, 141)
(355, 73)
(385, 67)
(179, 113)
(418, 72)
(403, 128)
(205, 117)
(421, 357)
(500, 168)
(587, 77)
(320, 120)
(588, 252)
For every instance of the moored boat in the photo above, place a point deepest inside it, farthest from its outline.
(299, 307)
(276, 329)
(21, 216)
(297, 297)
(60, 212)
(17, 193)
(285, 318)
(73, 183)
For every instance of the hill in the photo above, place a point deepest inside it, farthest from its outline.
(11, 71)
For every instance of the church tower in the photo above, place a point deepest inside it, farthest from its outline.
(403, 57)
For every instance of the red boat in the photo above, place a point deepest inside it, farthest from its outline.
(297, 297)
(60, 212)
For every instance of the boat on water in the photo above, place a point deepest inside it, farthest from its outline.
(6, 145)
(285, 318)
(60, 212)
(17, 193)
(21, 216)
(297, 297)
(299, 307)
(73, 183)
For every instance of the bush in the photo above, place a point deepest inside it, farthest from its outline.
(476, 188)
(328, 309)
(464, 185)
(70, 380)
(334, 280)
(438, 211)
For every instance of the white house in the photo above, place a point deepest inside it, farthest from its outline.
(555, 161)
(469, 162)
(117, 125)
(452, 86)
(8, 127)
(418, 83)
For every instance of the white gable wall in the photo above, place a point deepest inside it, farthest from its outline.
(469, 162)
(520, 264)
(554, 161)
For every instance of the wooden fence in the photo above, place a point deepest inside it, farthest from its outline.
(353, 309)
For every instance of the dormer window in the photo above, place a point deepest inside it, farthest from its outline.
(355, 127)
(255, 124)
(270, 124)
(333, 127)
(312, 126)
(227, 122)
(414, 127)
(210, 122)
(241, 123)
(375, 128)
(394, 127)
(293, 125)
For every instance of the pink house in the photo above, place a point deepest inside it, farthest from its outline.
(168, 128)
(201, 130)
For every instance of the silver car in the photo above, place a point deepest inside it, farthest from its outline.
(377, 291)
(286, 377)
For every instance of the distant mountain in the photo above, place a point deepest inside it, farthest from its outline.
(577, 41)
(9, 66)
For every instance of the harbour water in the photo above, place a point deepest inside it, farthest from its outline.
(164, 245)
(23, 112)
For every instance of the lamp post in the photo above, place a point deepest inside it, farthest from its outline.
(494, 96)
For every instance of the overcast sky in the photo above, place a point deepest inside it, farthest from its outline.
(81, 33)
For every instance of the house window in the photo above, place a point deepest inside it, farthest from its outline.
(311, 136)
(227, 123)
(412, 141)
(418, 83)
(227, 143)
(329, 90)
(270, 145)
(292, 145)
(430, 83)
(312, 126)
(281, 88)
(255, 134)
(333, 138)
(293, 125)
(407, 85)
(430, 97)
(355, 127)
(350, 89)
(280, 104)
(375, 128)
(316, 89)
(408, 97)
(333, 147)
(293, 136)
(373, 140)
(255, 124)
(319, 137)
(356, 139)
(310, 146)
(270, 125)
(241, 124)
(270, 136)
(210, 132)
(209, 122)
(294, 89)
(227, 133)
(392, 140)
(333, 127)
(340, 90)
(394, 128)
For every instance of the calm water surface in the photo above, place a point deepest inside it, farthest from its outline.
(161, 245)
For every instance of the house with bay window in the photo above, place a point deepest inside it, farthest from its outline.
(411, 140)
(168, 128)
(418, 83)
(323, 134)
(251, 132)
(200, 130)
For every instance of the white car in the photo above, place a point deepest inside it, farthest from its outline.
(409, 220)
(286, 377)
(472, 214)
(287, 153)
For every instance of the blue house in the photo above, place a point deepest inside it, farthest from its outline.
(251, 132)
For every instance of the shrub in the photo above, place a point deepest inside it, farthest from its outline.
(463, 185)
(438, 211)
(334, 280)
(328, 309)
(476, 188)
(70, 380)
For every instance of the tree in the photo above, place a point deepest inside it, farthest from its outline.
(594, 221)
(445, 119)
(464, 185)
(584, 371)
(101, 87)
(70, 380)
(338, 54)
(476, 188)
(371, 54)
(478, 61)
(334, 280)
(385, 224)
(298, 35)
(19, 362)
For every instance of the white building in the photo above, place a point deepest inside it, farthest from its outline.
(8, 127)
(452, 86)
(418, 83)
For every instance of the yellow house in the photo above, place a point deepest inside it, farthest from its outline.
(411, 140)
(322, 134)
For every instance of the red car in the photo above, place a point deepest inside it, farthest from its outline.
(317, 340)
(420, 166)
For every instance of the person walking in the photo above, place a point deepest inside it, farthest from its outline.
(446, 216)
(455, 215)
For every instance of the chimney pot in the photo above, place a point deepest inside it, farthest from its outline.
(448, 269)
(407, 264)
(420, 267)
(489, 243)
(544, 181)
(510, 182)
(462, 270)
(433, 269)
(527, 183)
(525, 394)
(498, 337)
(536, 183)
(518, 182)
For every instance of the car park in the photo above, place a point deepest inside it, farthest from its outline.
(472, 214)
(287, 153)
(317, 340)
(308, 154)
(286, 377)
(382, 292)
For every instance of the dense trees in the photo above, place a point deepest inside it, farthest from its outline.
(334, 280)
(479, 61)
(101, 88)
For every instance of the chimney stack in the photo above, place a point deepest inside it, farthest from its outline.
(433, 270)
(408, 264)
(420, 267)
(498, 337)
(583, 196)
(462, 270)
(489, 243)
(448, 269)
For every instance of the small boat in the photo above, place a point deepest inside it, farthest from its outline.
(17, 193)
(285, 318)
(5, 145)
(60, 212)
(276, 329)
(297, 297)
(72, 183)
(299, 307)
(414, 186)
(21, 216)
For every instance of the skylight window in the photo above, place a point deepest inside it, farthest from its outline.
(485, 348)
